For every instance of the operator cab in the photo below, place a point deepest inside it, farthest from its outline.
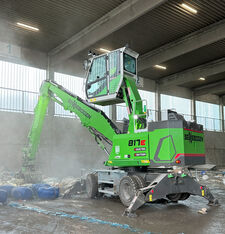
(105, 76)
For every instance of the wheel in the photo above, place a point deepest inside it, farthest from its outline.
(174, 197)
(184, 196)
(127, 189)
(92, 185)
(140, 181)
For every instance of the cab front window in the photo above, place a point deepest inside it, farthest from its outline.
(97, 78)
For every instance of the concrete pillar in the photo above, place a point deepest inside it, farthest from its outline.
(193, 107)
(50, 77)
(157, 103)
(221, 113)
(112, 112)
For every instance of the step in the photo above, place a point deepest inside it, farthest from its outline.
(105, 182)
(106, 191)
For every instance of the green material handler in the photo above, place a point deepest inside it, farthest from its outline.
(147, 161)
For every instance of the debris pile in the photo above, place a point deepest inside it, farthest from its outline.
(53, 181)
(212, 177)
(9, 178)
(18, 189)
(69, 186)
(73, 188)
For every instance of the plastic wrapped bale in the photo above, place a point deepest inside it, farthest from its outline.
(49, 193)
(3, 196)
(35, 187)
(22, 193)
(7, 188)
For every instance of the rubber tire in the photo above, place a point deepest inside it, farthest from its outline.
(141, 182)
(92, 185)
(174, 197)
(127, 189)
(184, 196)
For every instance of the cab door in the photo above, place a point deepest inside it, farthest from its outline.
(97, 78)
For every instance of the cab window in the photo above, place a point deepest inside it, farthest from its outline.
(98, 69)
(97, 78)
(129, 63)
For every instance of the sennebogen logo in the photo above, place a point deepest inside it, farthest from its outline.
(189, 137)
(76, 106)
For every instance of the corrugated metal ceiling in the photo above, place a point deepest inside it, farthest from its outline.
(60, 19)
(209, 80)
(195, 58)
(57, 19)
(165, 24)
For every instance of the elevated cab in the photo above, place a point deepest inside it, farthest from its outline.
(105, 76)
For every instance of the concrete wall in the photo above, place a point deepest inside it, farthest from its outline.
(38, 59)
(215, 148)
(65, 147)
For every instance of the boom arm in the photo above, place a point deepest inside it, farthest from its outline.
(111, 79)
(92, 118)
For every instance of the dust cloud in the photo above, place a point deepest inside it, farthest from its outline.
(67, 147)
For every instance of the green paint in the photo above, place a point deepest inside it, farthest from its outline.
(167, 149)
(39, 115)
(123, 153)
(87, 115)
(113, 84)
(103, 92)
(197, 147)
(112, 71)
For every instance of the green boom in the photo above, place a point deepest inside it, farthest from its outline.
(89, 116)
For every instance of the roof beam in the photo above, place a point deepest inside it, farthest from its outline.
(214, 88)
(223, 99)
(109, 23)
(196, 40)
(208, 69)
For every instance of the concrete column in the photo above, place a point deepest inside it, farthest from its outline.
(50, 77)
(112, 112)
(193, 107)
(221, 113)
(157, 103)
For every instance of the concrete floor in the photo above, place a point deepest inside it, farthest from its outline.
(155, 218)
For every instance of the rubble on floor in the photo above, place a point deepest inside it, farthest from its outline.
(68, 186)
(71, 186)
(217, 176)
(9, 178)
(53, 181)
